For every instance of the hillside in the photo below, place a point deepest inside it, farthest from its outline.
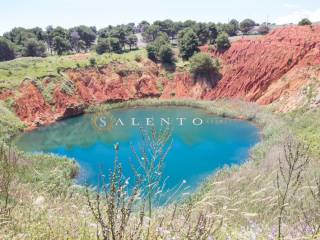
(279, 68)
(282, 66)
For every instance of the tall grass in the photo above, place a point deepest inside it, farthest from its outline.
(237, 202)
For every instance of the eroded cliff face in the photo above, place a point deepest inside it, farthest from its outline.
(282, 68)
(39, 105)
(270, 68)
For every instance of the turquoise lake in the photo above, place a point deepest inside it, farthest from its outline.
(201, 143)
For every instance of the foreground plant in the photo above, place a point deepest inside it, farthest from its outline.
(310, 210)
(119, 207)
(151, 156)
(113, 205)
(8, 167)
(289, 176)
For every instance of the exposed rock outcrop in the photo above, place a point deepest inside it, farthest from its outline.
(254, 70)
(282, 67)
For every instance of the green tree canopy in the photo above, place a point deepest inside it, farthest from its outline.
(103, 46)
(34, 48)
(115, 44)
(231, 28)
(61, 45)
(166, 54)
(202, 65)
(167, 26)
(153, 48)
(222, 41)
(6, 50)
(142, 26)
(202, 31)
(132, 41)
(246, 25)
(213, 32)
(151, 33)
(305, 21)
(86, 34)
(152, 52)
(188, 43)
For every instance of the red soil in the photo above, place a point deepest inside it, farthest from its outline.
(263, 70)
(31, 106)
(252, 67)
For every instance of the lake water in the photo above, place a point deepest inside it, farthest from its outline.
(201, 143)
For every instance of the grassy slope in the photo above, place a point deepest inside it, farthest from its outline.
(49, 207)
(10, 124)
(12, 73)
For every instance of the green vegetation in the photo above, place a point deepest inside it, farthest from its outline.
(10, 124)
(188, 43)
(166, 54)
(202, 31)
(222, 41)
(231, 28)
(60, 45)
(246, 25)
(6, 50)
(117, 37)
(202, 65)
(161, 50)
(213, 32)
(132, 41)
(58, 40)
(152, 52)
(34, 48)
(305, 21)
(12, 73)
(37, 42)
(44, 203)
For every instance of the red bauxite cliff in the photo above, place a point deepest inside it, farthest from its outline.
(283, 66)
(253, 68)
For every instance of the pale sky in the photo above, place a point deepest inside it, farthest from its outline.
(101, 13)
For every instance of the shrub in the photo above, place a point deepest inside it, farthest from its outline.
(6, 50)
(103, 46)
(222, 41)
(152, 52)
(115, 44)
(166, 54)
(93, 61)
(138, 58)
(34, 48)
(188, 43)
(201, 65)
(246, 25)
(61, 45)
(202, 31)
(132, 41)
(160, 49)
(305, 21)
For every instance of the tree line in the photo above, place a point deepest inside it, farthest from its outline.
(188, 35)
(36, 42)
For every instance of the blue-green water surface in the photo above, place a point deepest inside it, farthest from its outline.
(197, 151)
